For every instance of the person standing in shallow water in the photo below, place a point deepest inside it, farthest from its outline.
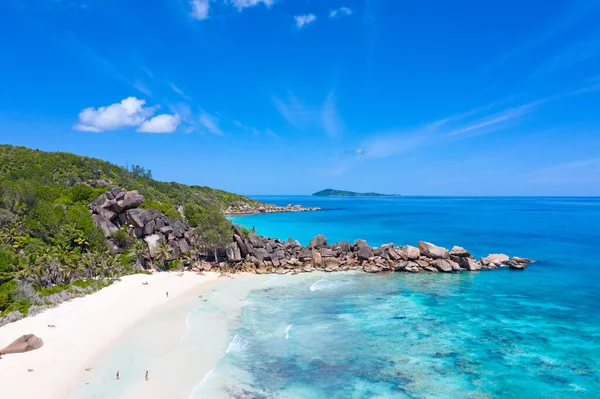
(146, 375)
(167, 294)
(117, 375)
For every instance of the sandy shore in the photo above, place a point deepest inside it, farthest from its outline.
(85, 328)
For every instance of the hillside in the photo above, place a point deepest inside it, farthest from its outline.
(51, 247)
(329, 192)
(67, 170)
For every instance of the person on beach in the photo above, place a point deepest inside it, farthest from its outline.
(117, 375)
(167, 294)
(146, 376)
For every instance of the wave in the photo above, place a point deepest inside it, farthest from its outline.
(287, 331)
(204, 380)
(188, 326)
(323, 284)
(237, 344)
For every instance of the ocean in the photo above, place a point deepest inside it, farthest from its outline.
(488, 334)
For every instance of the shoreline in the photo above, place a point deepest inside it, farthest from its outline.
(86, 328)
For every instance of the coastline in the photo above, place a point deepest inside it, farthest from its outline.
(85, 329)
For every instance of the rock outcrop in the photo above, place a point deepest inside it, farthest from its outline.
(270, 255)
(244, 208)
(118, 209)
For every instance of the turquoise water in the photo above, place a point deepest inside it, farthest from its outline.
(471, 335)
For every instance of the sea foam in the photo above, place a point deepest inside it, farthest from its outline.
(287, 331)
(237, 344)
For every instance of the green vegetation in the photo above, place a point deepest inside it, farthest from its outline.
(329, 192)
(48, 241)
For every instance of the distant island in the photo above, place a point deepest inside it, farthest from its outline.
(329, 192)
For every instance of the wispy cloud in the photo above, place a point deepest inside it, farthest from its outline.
(340, 12)
(178, 91)
(329, 117)
(210, 123)
(585, 170)
(578, 11)
(139, 86)
(241, 4)
(200, 9)
(476, 122)
(301, 116)
(302, 21)
(294, 112)
(573, 54)
(356, 151)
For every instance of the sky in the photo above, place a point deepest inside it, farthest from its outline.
(294, 96)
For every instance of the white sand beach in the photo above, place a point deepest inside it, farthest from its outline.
(85, 328)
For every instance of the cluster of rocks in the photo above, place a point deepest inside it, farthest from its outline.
(244, 208)
(256, 254)
(119, 209)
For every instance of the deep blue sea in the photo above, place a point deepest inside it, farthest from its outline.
(490, 334)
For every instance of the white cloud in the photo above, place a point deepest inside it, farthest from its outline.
(340, 12)
(163, 123)
(129, 112)
(304, 20)
(199, 9)
(210, 123)
(241, 4)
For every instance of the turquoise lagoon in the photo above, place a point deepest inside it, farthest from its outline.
(471, 335)
(491, 334)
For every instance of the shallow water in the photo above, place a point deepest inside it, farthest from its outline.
(474, 335)
(531, 334)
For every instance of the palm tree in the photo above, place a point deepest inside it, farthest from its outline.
(140, 253)
(164, 252)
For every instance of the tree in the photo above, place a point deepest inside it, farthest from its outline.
(163, 253)
(140, 254)
(211, 227)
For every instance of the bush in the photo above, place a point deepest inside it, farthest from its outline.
(8, 259)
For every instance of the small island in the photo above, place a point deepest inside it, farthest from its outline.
(329, 192)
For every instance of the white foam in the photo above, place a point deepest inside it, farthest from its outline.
(315, 285)
(204, 380)
(326, 285)
(287, 331)
(237, 344)
(188, 327)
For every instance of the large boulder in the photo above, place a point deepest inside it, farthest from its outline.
(317, 259)
(494, 260)
(291, 243)
(443, 265)
(469, 264)
(411, 252)
(128, 200)
(134, 217)
(255, 241)
(233, 253)
(240, 242)
(365, 252)
(318, 241)
(153, 242)
(459, 252)
(262, 254)
(433, 251)
(108, 228)
(149, 228)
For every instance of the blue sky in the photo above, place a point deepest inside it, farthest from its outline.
(293, 96)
